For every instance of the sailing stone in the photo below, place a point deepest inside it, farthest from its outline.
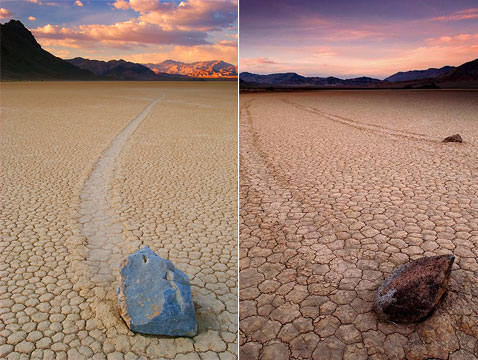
(154, 297)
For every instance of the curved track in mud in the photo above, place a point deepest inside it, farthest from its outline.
(98, 225)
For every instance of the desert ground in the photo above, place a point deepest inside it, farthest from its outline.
(91, 172)
(339, 188)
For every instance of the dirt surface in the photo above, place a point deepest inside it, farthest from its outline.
(166, 179)
(337, 189)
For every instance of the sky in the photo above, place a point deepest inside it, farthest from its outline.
(143, 31)
(351, 38)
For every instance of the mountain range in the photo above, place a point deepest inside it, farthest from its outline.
(22, 58)
(463, 76)
(200, 69)
(290, 79)
(122, 70)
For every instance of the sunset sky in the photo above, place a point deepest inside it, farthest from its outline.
(350, 38)
(135, 30)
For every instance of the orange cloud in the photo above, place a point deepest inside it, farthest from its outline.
(121, 34)
(32, 18)
(186, 31)
(466, 14)
(64, 54)
(78, 3)
(4, 13)
(35, 2)
(121, 5)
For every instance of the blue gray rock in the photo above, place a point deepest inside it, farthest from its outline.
(154, 297)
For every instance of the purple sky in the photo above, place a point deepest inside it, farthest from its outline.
(347, 38)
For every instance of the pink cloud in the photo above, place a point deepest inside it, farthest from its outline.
(324, 52)
(453, 38)
(466, 14)
(256, 61)
(347, 61)
(32, 18)
(35, 2)
(78, 3)
(4, 13)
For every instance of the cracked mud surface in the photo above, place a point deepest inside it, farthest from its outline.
(55, 303)
(339, 188)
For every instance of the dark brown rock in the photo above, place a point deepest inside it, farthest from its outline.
(414, 289)
(453, 138)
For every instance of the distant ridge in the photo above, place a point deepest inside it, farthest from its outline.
(199, 69)
(430, 73)
(293, 79)
(466, 72)
(122, 70)
(448, 77)
(22, 58)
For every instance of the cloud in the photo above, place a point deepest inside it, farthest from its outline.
(453, 38)
(64, 54)
(256, 61)
(187, 30)
(466, 14)
(199, 15)
(4, 13)
(347, 61)
(122, 34)
(324, 52)
(78, 3)
(121, 5)
(35, 1)
(32, 18)
(426, 56)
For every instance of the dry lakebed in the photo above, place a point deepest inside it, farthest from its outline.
(338, 189)
(93, 171)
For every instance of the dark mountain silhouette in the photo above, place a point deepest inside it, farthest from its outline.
(122, 70)
(22, 58)
(274, 79)
(293, 79)
(463, 76)
(430, 73)
(466, 72)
